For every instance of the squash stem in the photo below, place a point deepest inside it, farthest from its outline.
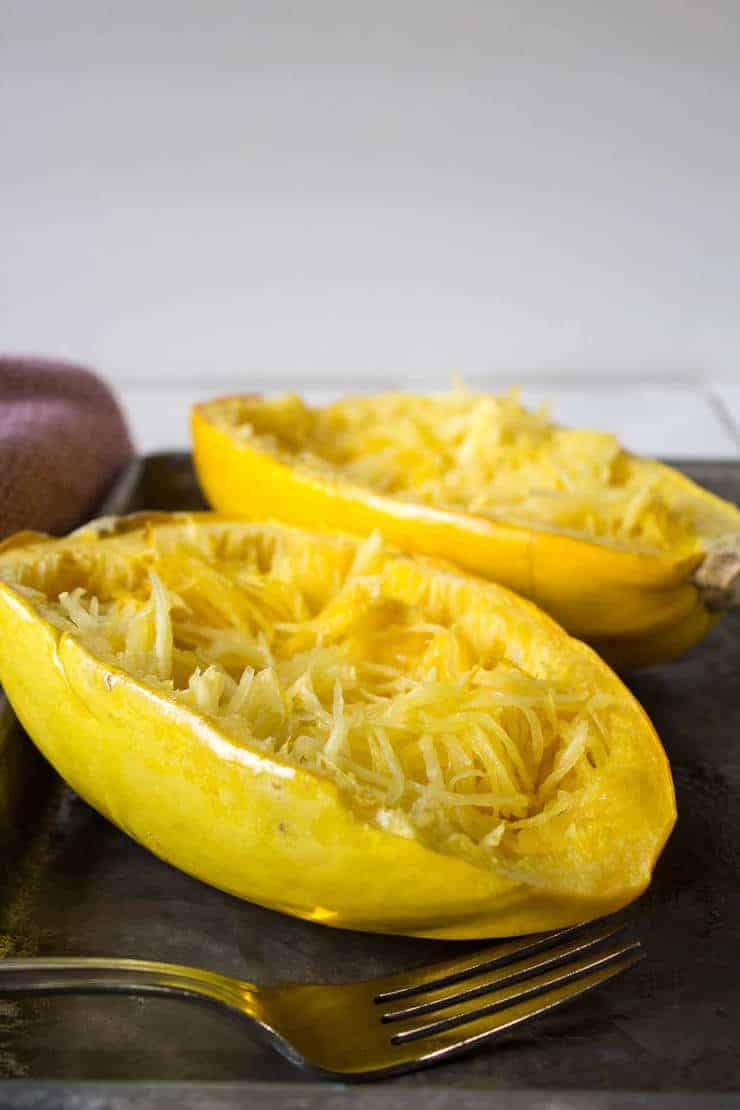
(718, 576)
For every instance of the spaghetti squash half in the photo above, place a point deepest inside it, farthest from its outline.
(624, 552)
(332, 729)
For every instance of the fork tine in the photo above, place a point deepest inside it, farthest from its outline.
(493, 978)
(420, 980)
(454, 1042)
(513, 1003)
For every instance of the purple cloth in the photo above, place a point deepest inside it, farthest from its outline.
(63, 439)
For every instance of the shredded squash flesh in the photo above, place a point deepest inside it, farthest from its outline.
(326, 667)
(474, 452)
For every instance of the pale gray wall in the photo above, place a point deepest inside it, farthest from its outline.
(388, 188)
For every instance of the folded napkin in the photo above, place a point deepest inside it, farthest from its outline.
(63, 439)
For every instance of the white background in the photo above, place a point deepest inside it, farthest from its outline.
(198, 196)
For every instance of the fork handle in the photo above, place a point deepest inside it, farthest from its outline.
(93, 975)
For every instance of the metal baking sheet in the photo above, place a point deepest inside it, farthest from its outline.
(71, 884)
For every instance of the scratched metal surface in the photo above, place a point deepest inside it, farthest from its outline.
(72, 884)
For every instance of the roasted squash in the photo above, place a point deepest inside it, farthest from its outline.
(327, 727)
(624, 552)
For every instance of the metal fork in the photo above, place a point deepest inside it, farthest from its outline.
(370, 1029)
